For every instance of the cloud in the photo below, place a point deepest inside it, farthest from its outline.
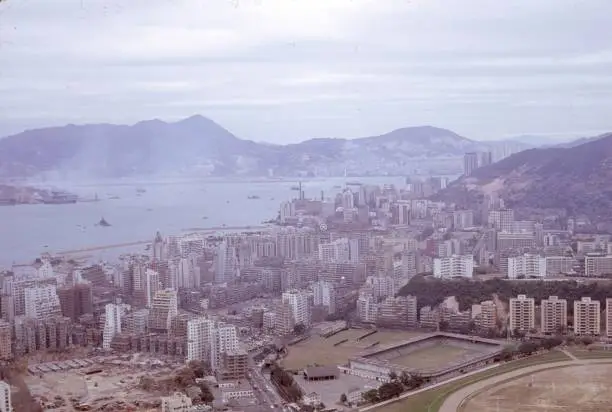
(285, 70)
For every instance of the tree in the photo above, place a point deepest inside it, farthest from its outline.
(393, 376)
(586, 340)
(443, 325)
(370, 396)
(405, 379)
(343, 398)
(299, 329)
(528, 347)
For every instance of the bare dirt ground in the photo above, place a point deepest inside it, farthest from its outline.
(322, 351)
(582, 388)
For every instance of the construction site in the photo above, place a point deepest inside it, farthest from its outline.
(101, 383)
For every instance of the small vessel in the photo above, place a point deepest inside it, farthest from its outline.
(103, 223)
(227, 201)
(114, 197)
(149, 209)
(204, 217)
(59, 198)
(253, 197)
(140, 190)
(295, 188)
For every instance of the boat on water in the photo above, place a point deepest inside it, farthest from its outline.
(58, 198)
(295, 188)
(114, 197)
(204, 217)
(141, 190)
(253, 197)
(103, 223)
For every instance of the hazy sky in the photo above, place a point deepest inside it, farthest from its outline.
(287, 70)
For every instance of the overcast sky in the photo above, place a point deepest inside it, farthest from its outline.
(287, 70)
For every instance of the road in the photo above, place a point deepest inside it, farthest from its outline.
(457, 399)
(201, 230)
(264, 389)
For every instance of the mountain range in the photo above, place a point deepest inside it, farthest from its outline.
(198, 146)
(576, 180)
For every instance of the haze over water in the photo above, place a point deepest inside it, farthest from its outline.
(170, 206)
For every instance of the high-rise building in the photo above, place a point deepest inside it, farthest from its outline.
(587, 317)
(554, 315)
(200, 335)
(76, 300)
(452, 266)
(470, 163)
(300, 308)
(6, 351)
(488, 315)
(609, 317)
(526, 266)
(5, 397)
(225, 340)
(597, 265)
(164, 308)
(485, 159)
(502, 219)
(42, 302)
(367, 308)
(112, 324)
(463, 219)
(323, 295)
(398, 312)
(287, 211)
(522, 313)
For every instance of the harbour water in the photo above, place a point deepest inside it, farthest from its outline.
(171, 206)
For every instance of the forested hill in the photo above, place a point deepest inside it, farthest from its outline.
(431, 291)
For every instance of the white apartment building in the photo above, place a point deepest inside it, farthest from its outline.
(200, 334)
(380, 286)
(554, 314)
(367, 308)
(452, 266)
(609, 318)
(225, 340)
(323, 295)
(298, 301)
(151, 286)
(526, 266)
(587, 317)
(502, 220)
(560, 265)
(341, 250)
(287, 211)
(112, 324)
(463, 219)
(597, 265)
(42, 302)
(522, 313)
(488, 315)
(164, 308)
(5, 397)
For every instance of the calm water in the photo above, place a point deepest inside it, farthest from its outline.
(169, 206)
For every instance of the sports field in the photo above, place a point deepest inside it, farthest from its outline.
(575, 388)
(321, 351)
(434, 357)
(431, 400)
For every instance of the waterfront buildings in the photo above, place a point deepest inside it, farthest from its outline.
(112, 324)
(300, 308)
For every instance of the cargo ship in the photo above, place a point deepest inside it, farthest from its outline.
(8, 202)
